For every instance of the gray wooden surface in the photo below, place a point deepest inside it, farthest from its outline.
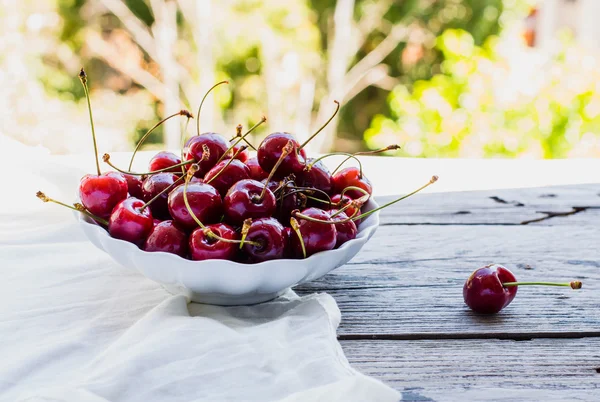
(404, 320)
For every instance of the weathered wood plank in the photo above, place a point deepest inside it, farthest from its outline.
(542, 369)
(511, 207)
(408, 281)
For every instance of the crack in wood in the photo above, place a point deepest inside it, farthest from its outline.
(550, 215)
(470, 335)
(503, 201)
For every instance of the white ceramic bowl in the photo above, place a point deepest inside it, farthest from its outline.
(226, 282)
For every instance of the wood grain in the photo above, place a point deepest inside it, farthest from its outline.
(498, 207)
(541, 369)
(408, 281)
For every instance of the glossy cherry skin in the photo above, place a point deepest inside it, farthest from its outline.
(129, 222)
(317, 177)
(217, 146)
(242, 156)
(234, 172)
(483, 291)
(134, 185)
(163, 160)
(344, 231)
(316, 236)
(153, 185)
(350, 176)
(204, 201)
(256, 172)
(288, 252)
(204, 247)
(269, 233)
(287, 202)
(100, 194)
(241, 202)
(270, 150)
(351, 210)
(168, 238)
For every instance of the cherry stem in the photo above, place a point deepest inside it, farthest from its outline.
(202, 102)
(243, 137)
(337, 108)
(161, 193)
(431, 181)
(572, 284)
(238, 133)
(83, 79)
(364, 215)
(350, 156)
(296, 228)
(245, 229)
(182, 112)
(241, 149)
(190, 173)
(183, 135)
(311, 190)
(285, 151)
(354, 155)
(106, 159)
(81, 209)
(362, 190)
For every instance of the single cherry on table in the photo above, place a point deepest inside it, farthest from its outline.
(491, 288)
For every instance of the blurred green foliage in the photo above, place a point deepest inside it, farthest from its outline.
(497, 100)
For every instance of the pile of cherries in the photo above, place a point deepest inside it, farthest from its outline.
(215, 201)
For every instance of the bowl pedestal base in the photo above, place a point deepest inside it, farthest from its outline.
(221, 299)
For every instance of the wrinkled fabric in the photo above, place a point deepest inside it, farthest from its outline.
(76, 327)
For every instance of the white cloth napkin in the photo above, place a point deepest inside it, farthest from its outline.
(74, 326)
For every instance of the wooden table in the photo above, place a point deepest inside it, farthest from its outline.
(403, 316)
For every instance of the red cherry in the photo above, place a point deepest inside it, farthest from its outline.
(351, 210)
(168, 238)
(163, 160)
(225, 173)
(204, 247)
(134, 185)
(217, 146)
(288, 252)
(484, 291)
(270, 239)
(243, 155)
(316, 236)
(100, 194)
(318, 176)
(288, 200)
(243, 201)
(345, 230)
(351, 177)
(204, 201)
(256, 172)
(270, 151)
(155, 184)
(129, 222)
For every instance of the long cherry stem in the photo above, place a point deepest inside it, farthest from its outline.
(572, 284)
(190, 173)
(238, 133)
(84, 211)
(296, 228)
(337, 108)
(285, 151)
(354, 155)
(106, 159)
(182, 112)
(362, 190)
(243, 137)
(164, 190)
(350, 156)
(83, 79)
(202, 103)
(229, 162)
(183, 136)
(364, 215)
